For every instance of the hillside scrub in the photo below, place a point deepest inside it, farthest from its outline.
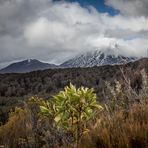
(15, 88)
(73, 118)
(49, 82)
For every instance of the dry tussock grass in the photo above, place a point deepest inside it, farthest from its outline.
(122, 129)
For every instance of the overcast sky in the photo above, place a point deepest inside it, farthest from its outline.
(54, 31)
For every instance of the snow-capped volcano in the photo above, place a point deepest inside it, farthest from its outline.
(97, 58)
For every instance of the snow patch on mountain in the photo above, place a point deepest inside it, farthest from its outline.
(98, 58)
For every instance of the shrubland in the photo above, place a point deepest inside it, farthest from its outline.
(74, 117)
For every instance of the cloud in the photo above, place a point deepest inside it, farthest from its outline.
(75, 29)
(14, 14)
(130, 7)
(56, 31)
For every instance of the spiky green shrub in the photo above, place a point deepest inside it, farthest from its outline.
(71, 109)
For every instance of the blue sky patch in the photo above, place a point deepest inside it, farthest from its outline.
(98, 4)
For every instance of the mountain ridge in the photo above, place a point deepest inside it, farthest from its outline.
(97, 58)
(88, 59)
(50, 81)
(28, 65)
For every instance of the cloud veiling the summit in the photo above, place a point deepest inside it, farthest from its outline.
(56, 30)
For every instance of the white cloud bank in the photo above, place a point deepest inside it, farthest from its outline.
(130, 7)
(56, 31)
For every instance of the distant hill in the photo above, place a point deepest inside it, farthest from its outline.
(27, 66)
(88, 59)
(48, 82)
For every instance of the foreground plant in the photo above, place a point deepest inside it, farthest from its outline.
(71, 109)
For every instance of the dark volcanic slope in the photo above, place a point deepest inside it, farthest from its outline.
(27, 66)
(49, 82)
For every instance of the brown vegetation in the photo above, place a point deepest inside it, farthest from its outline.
(123, 123)
(122, 129)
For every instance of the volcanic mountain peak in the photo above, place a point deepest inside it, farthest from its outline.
(98, 58)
